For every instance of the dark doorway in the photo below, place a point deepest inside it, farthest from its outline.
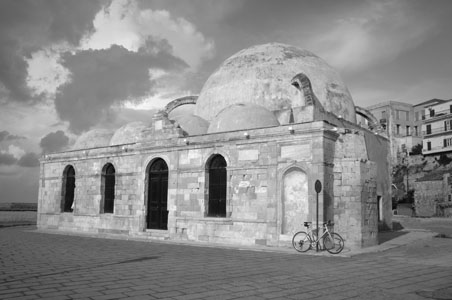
(217, 187)
(68, 188)
(108, 178)
(157, 216)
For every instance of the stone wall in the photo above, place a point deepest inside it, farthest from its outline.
(426, 196)
(261, 207)
(355, 191)
(355, 202)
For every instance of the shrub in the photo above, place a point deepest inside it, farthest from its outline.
(444, 159)
(416, 150)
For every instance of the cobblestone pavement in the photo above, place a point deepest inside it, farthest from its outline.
(36, 265)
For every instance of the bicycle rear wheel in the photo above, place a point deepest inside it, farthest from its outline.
(333, 243)
(301, 241)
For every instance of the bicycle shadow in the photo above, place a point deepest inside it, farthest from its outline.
(386, 235)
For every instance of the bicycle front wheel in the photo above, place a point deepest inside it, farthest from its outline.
(333, 243)
(301, 241)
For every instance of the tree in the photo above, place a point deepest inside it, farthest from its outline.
(408, 198)
(444, 159)
(416, 149)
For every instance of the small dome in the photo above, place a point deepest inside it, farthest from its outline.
(182, 110)
(262, 75)
(129, 133)
(241, 117)
(193, 125)
(93, 139)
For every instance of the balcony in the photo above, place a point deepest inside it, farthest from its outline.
(437, 115)
(437, 131)
(437, 149)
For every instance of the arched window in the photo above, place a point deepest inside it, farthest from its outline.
(157, 210)
(108, 186)
(217, 179)
(67, 191)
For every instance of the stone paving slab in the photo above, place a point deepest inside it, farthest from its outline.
(36, 265)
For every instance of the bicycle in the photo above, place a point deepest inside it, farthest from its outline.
(332, 242)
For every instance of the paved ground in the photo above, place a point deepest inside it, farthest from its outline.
(36, 265)
(17, 218)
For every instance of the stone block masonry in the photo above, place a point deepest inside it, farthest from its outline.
(263, 207)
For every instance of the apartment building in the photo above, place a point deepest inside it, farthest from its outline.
(437, 128)
(401, 123)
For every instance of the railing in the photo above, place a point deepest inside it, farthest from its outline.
(437, 149)
(439, 113)
(436, 131)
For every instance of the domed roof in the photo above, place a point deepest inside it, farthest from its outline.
(129, 133)
(182, 110)
(191, 124)
(241, 117)
(93, 138)
(262, 75)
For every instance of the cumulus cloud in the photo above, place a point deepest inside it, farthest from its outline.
(6, 136)
(45, 73)
(124, 23)
(88, 58)
(101, 78)
(54, 142)
(25, 160)
(29, 160)
(16, 151)
(28, 25)
(376, 32)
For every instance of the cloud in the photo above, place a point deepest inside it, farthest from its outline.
(6, 136)
(124, 23)
(54, 142)
(101, 78)
(373, 33)
(29, 160)
(45, 73)
(7, 159)
(16, 151)
(55, 46)
(28, 25)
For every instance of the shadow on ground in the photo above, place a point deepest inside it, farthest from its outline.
(387, 235)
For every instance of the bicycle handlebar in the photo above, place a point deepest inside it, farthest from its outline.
(329, 223)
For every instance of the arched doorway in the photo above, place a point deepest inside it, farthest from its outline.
(217, 179)
(157, 210)
(295, 208)
(68, 189)
(108, 184)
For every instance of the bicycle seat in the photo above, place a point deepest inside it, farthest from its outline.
(329, 223)
(307, 224)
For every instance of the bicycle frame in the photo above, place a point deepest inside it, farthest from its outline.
(332, 242)
(315, 242)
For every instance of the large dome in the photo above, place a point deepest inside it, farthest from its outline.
(262, 75)
(241, 117)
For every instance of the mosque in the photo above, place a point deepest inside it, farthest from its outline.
(235, 165)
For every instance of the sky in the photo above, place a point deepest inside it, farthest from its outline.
(70, 66)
